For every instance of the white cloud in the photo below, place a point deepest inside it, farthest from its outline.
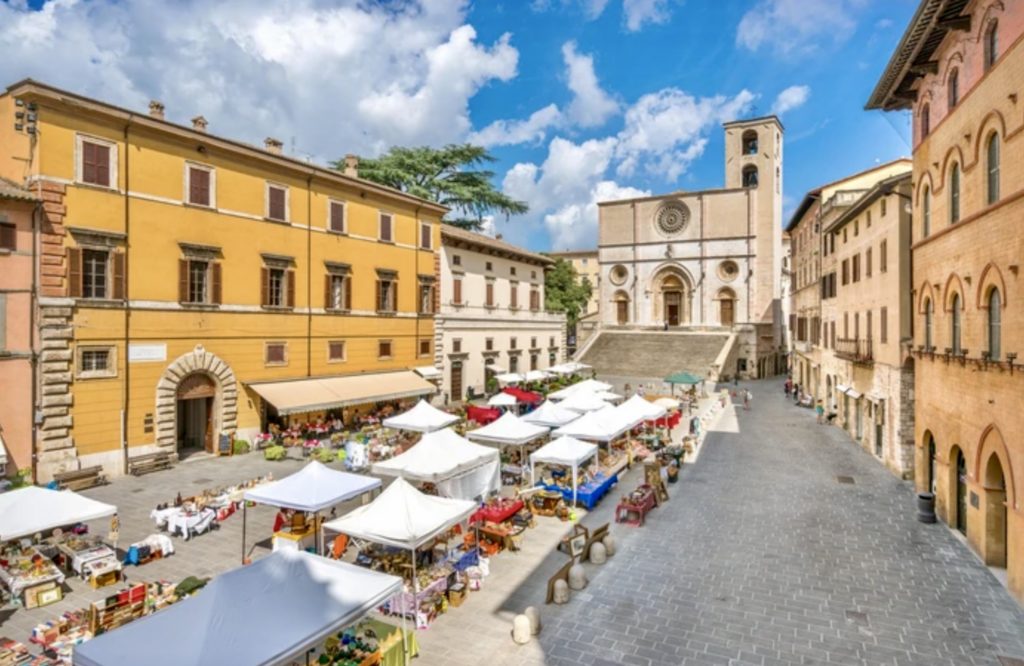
(591, 106)
(594, 8)
(513, 132)
(347, 77)
(790, 98)
(637, 13)
(791, 27)
(575, 225)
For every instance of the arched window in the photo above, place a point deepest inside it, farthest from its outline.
(953, 87)
(992, 149)
(954, 194)
(750, 142)
(750, 176)
(926, 120)
(954, 325)
(995, 318)
(991, 45)
(926, 212)
(929, 317)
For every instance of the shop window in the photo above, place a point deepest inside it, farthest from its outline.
(95, 362)
(277, 202)
(384, 349)
(992, 152)
(336, 216)
(97, 162)
(276, 353)
(335, 351)
(385, 228)
(199, 185)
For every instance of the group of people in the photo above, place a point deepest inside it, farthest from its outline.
(824, 417)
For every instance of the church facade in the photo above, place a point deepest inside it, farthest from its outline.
(705, 260)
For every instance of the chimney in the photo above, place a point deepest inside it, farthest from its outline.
(199, 124)
(352, 165)
(156, 109)
(272, 145)
(497, 236)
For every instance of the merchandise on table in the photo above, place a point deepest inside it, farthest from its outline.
(633, 508)
(193, 515)
(28, 573)
(368, 642)
(91, 559)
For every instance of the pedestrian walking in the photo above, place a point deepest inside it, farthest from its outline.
(796, 392)
(820, 409)
(788, 386)
(747, 397)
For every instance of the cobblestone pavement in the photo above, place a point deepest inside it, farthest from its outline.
(763, 557)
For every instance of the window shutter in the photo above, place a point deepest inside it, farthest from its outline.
(328, 301)
(183, 280)
(457, 291)
(118, 261)
(74, 272)
(102, 165)
(264, 286)
(380, 299)
(89, 162)
(216, 296)
(291, 288)
(7, 236)
(394, 296)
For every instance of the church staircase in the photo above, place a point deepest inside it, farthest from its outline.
(653, 355)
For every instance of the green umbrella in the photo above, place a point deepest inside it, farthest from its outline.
(683, 378)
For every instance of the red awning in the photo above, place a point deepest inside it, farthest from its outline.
(482, 415)
(522, 395)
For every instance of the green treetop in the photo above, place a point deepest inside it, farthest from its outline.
(564, 292)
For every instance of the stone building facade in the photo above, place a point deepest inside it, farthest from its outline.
(959, 70)
(708, 259)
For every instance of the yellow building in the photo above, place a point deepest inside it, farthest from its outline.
(180, 270)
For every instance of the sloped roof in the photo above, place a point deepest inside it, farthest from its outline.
(452, 235)
(11, 190)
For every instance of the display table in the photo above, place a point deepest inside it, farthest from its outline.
(589, 493)
(33, 576)
(497, 513)
(639, 502)
(180, 521)
(92, 560)
(389, 641)
(409, 604)
(304, 539)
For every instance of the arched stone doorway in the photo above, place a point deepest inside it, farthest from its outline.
(194, 378)
(929, 463)
(996, 526)
(673, 293)
(621, 308)
(726, 298)
(958, 489)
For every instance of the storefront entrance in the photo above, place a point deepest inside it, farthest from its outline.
(195, 396)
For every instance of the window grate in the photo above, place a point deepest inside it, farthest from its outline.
(845, 479)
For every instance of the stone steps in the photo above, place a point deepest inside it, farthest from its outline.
(653, 354)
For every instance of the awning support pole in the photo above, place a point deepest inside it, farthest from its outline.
(245, 506)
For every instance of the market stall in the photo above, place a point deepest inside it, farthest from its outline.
(604, 426)
(506, 378)
(424, 417)
(510, 430)
(312, 489)
(551, 414)
(482, 415)
(456, 466)
(583, 401)
(27, 568)
(536, 376)
(524, 396)
(639, 407)
(570, 368)
(502, 400)
(590, 385)
(564, 451)
(404, 520)
(270, 612)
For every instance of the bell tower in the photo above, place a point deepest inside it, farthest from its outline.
(753, 161)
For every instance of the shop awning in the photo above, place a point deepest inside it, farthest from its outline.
(269, 612)
(313, 488)
(33, 509)
(319, 393)
(428, 372)
(853, 393)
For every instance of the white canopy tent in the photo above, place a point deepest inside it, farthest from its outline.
(509, 429)
(270, 612)
(536, 375)
(667, 403)
(638, 406)
(583, 401)
(509, 378)
(424, 417)
(551, 414)
(312, 489)
(608, 396)
(569, 368)
(456, 465)
(502, 400)
(30, 510)
(603, 425)
(566, 451)
(591, 385)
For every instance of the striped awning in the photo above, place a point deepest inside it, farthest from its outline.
(316, 394)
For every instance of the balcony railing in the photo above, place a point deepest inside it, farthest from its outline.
(855, 349)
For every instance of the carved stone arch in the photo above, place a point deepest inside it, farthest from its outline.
(991, 276)
(954, 154)
(992, 123)
(225, 401)
(924, 180)
(953, 286)
(992, 442)
(991, 12)
(925, 294)
(954, 59)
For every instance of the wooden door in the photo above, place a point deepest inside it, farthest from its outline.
(728, 311)
(456, 382)
(961, 492)
(672, 306)
(622, 312)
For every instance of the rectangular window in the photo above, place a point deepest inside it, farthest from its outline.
(387, 294)
(457, 261)
(534, 299)
(95, 362)
(426, 237)
(833, 345)
(456, 345)
(96, 163)
(846, 324)
(533, 343)
(533, 275)
(856, 325)
(197, 277)
(869, 333)
(457, 291)
(426, 298)
(276, 287)
(94, 273)
(883, 207)
(277, 203)
(883, 323)
(533, 361)
(867, 263)
(513, 297)
(883, 257)
(846, 272)
(490, 266)
(335, 351)
(424, 347)
(200, 185)
(551, 342)
(386, 221)
(336, 216)
(275, 353)
(8, 237)
(512, 270)
(384, 349)
(513, 363)
(338, 295)
(856, 268)
(489, 344)
(489, 302)
(512, 343)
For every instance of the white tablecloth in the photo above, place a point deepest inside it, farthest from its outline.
(178, 522)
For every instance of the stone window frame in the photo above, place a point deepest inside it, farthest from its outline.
(186, 195)
(344, 351)
(287, 202)
(266, 351)
(109, 372)
(331, 203)
(81, 138)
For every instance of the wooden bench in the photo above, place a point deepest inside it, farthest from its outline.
(80, 479)
(150, 462)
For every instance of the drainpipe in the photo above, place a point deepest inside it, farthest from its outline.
(416, 297)
(309, 275)
(37, 218)
(125, 393)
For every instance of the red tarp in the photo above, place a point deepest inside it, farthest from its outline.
(482, 415)
(521, 395)
(670, 421)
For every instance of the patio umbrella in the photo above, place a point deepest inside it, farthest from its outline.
(683, 378)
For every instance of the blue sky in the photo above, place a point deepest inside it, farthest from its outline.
(580, 100)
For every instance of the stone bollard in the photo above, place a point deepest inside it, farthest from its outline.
(521, 629)
(598, 553)
(609, 545)
(561, 592)
(577, 577)
(534, 616)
